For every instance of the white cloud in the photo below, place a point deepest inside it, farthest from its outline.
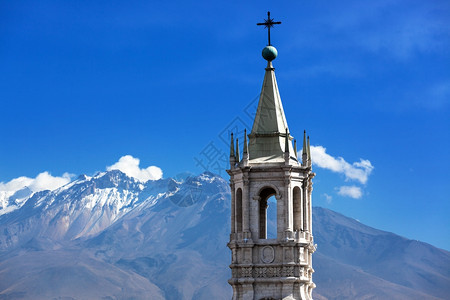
(359, 171)
(328, 198)
(44, 181)
(130, 166)
(350, 191)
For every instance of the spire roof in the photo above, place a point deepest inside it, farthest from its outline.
(270, 116)
(267, 138)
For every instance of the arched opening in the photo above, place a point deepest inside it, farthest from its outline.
(238, 208)
(297, 203)
(271, 215)
(264, 204)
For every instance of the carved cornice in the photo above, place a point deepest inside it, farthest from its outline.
(268, 273)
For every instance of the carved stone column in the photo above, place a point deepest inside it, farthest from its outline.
(305, 205)
(302, 208)
(288, 215)
(310, 188)
(246, 210)
(233, 214)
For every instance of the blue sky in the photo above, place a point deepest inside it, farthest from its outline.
(85, 83)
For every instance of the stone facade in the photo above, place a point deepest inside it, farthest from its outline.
(279, 268)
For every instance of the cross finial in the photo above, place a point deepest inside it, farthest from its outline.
(268, 23)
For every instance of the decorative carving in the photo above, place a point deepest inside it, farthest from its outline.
(265, 272)
(246, 272)
(273, 272)
(268, 272)
(267, 254)
(260, 272)
(288, 271)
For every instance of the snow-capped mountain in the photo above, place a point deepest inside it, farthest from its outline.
(10, 201)
(119, 238)
(89, 205)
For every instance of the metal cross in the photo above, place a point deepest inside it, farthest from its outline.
(268, 23)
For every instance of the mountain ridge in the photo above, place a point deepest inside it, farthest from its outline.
(168, 238)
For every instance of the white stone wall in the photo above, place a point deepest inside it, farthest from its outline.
(278, 268)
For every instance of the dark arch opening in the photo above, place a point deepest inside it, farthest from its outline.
(264, 202)
(238, 210)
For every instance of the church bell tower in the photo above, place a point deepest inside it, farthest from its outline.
(270, 173)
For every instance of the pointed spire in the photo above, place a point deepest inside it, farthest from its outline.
(287, 154)
(232, 146)
(309, 152)
(270, 117)
(232, 157)
(295, 148)
(286, 142)
(245, 142)
(237, 151)
(304, 150)
(245, 155)
(267, 138)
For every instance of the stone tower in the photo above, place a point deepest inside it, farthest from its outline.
(271, 268)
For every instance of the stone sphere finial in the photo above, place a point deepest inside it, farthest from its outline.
(269, 53)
